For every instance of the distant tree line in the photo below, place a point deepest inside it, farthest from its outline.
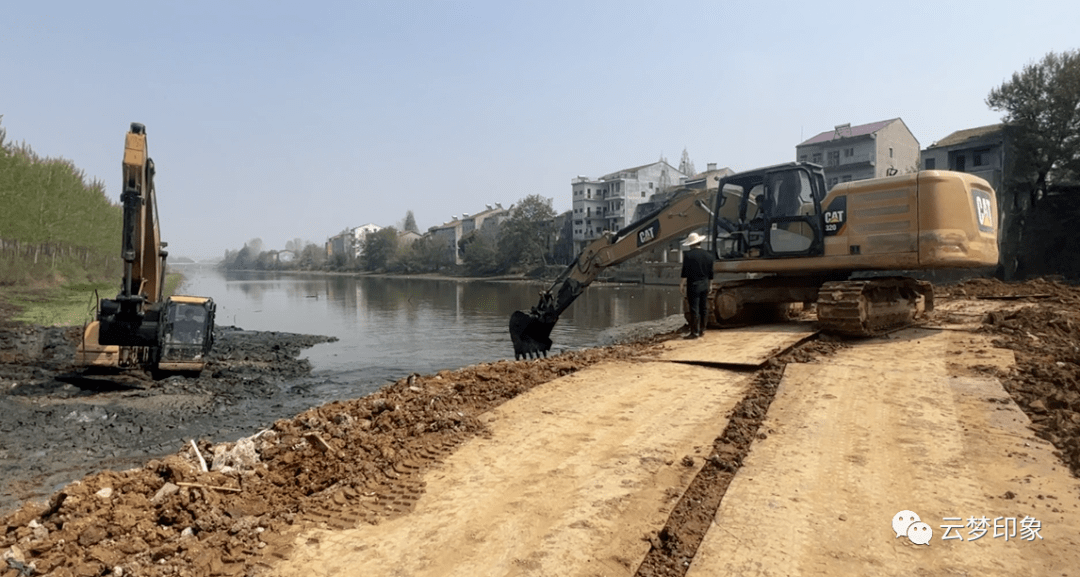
(524, 241)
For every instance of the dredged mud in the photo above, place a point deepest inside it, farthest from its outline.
(59, 424)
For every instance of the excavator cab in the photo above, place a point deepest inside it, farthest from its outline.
(779, 213)
(187, 333)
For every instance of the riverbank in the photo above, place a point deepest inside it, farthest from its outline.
(365, 460)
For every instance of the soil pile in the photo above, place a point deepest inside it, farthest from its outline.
(1043, 329)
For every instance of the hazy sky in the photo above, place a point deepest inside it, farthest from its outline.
(299, 119)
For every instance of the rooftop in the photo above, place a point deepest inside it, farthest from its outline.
(848, 131)
(961, 136)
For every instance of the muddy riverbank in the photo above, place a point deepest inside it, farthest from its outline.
(58, 425)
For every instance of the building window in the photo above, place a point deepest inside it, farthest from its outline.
(849, 152)
(817, 158)
(845, 178)
(834, 158)
(890, 152)
(976, 159)
(928, 164)
(650, 186)
(802, 158)
(961, 163)
(832, 182)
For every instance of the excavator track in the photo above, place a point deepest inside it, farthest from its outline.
(870, 307)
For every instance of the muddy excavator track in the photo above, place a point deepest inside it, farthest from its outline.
(869, 307)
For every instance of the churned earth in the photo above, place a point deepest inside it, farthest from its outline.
(600, 462)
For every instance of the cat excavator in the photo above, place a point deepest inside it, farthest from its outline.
(799, 242)
(142, 328)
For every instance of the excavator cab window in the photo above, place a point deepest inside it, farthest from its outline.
(186, 324)
(779, 214)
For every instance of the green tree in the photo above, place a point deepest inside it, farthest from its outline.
(480, 255)
(379, 248)
(1042, 119)
(312, 256)
(525, 235)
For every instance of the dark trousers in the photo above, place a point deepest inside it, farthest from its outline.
(698, 294)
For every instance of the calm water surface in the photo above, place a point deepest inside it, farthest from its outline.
(389, 327)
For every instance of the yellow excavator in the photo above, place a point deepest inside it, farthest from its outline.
(141, 328)
(802, 242)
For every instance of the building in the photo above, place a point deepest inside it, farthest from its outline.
(872, 150)
(407, 237)
(448, 235)
(672, 250)
(980, 151)
(485, 222)
(609, 203)
(341, 243)
(445, 238)
(360, 234)
(350, 241)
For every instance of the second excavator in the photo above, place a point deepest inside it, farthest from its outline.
(142, 328)
(803, 243)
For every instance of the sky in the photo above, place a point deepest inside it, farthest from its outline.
(282, 120)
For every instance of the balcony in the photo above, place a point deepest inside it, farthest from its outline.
(866, 158)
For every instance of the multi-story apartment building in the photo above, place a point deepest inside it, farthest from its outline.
(859, 152)
(448, 235)
(360, 234)
(350, 241)
(609, 202)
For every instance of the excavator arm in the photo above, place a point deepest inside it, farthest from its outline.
(132, 318)
(686, 211)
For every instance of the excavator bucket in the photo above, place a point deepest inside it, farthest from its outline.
(531, 336)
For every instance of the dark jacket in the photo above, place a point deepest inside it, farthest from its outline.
(697, 266)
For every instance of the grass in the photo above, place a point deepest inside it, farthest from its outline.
(68, 305)
(72, 304)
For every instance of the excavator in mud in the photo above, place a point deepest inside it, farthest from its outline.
(799, 242)
(142, 328)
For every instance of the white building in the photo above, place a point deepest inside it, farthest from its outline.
(359, 235)
(609, 202)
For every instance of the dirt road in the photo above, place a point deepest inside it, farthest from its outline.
(568, 481)
(852, 443)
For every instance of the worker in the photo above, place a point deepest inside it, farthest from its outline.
(188, 327)
(695, 282)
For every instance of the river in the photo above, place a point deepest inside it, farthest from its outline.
(389, 327)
